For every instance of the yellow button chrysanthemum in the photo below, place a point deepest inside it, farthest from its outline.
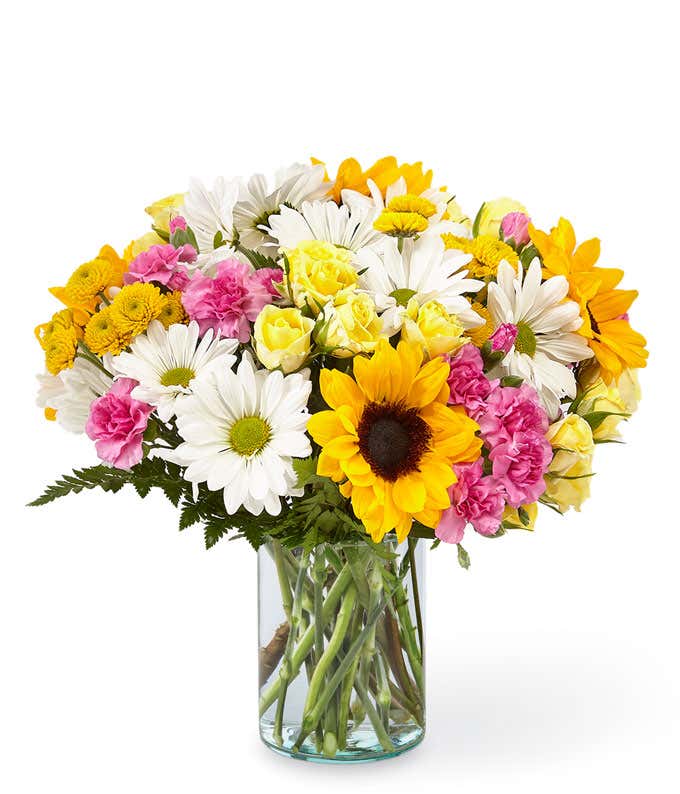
(173, 311)
(135, 306)
(93, 278)
(390, 438)
(60, 349)
(102, 335)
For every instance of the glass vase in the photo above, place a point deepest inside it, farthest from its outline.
(341, 649)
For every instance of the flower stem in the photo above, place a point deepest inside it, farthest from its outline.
(416, 592)
(311, 718)
(287, 662)
(307, 641)
(334, 644)
(374, 717)
(347, 686)
(279, 561)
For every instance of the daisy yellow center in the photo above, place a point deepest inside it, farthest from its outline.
(249, 435)
(402, 295)
(526, 340)
(178, 376)
(392, 439)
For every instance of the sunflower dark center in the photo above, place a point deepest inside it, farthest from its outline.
(392, 439)
(593, 321)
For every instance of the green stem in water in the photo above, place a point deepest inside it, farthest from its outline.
(348, 685)
(318, 576)
(373, 716)
(311, 718)
(416, 592)
(334, 645)
(280, 562)
(287, 662)
(307, 642)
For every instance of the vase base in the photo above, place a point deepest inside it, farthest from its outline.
(362, 746)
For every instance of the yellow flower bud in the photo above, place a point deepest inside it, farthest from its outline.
(319, 272)
(282, 338)
(163, 210)
(351, 325)
(431, 326)
(493, 212)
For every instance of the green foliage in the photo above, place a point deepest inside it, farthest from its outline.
(529, 253)
(150, 473)
(463, 557)
(512, 380)
(478, 218)
(595, 418)
(256, 259)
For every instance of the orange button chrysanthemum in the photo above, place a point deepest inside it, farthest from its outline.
(391, 439)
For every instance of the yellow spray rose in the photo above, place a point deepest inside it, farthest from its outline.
(163, 210)
(351, 325)
(141, 244)
(492, 213)
(319, 272)
(282, 338)
(568, 477)
(621, 396)
(432, 327)
(513, 521)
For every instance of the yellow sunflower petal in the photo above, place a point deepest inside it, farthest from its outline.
(428, 383)
(409, 493)
(339, 389)
(328, 466)
(342, 447)
(325, 426)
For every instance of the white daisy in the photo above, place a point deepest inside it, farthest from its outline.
(424, 269)
(242, 429)
(545, 322)
(258, 202)
(168, 363)
(72, 392)
(349, 226)
(210, 211)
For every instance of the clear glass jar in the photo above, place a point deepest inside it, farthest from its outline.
(341, 649)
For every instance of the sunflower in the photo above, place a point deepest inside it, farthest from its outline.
(603, 307)
(390, 438)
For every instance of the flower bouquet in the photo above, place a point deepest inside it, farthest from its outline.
(340, 370)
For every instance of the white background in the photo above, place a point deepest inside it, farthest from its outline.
(127, 652)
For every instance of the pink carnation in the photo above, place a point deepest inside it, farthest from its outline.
(515, 227)
(177, 223)
(503, 338)
(117, 423)
(468, 384)
(162, 264)
(519, 465)
(269, 277)
(511, 410)
(227, 303)
(476, 500)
